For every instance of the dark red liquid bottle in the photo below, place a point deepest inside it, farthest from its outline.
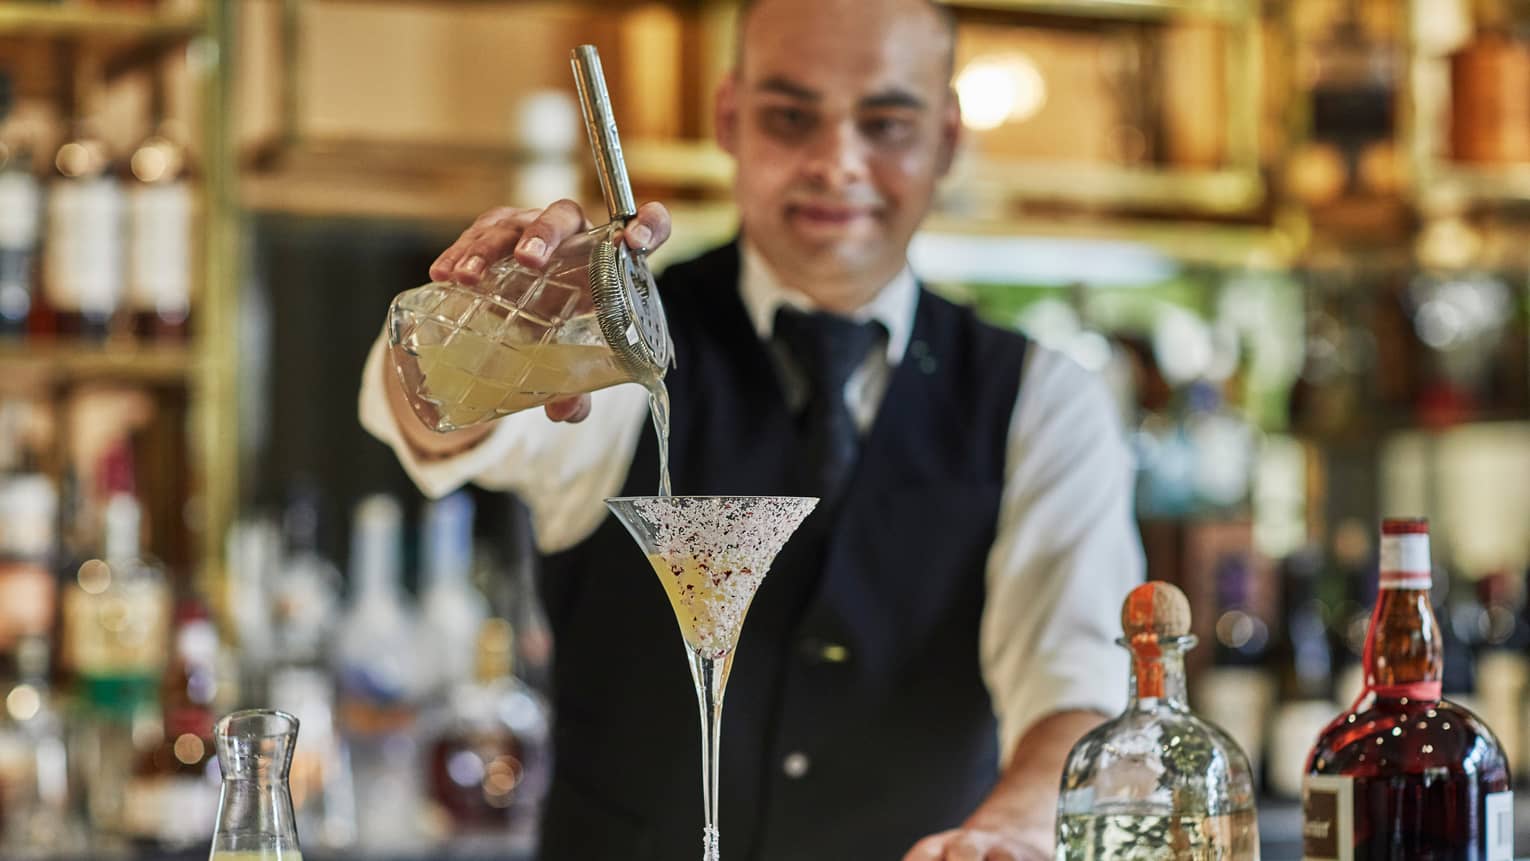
(1404, 774)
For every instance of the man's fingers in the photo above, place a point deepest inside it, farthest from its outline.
(968, 846)
(542, 236)
(650, 228)
(572, 410)
(491, 237)
(931, 848)
(961, 845)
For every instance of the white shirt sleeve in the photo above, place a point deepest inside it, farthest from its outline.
(1065, 554)
(563, 472)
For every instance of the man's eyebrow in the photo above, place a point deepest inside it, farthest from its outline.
(893, 98)
(785, 87)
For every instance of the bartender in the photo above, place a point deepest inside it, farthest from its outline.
(933, 641)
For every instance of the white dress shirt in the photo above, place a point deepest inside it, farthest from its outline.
(1065, 552)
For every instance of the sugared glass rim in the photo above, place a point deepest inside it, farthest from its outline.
(682, 496)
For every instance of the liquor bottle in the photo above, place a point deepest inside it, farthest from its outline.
(452, 609)
(490, 763)
(1157, 782)
(83, 258)
(116, 615)
(172, 796)
(39, 820)
(28, 510)
(20, 219)
(1303, 663)
(304, 597)
(1236, 692)
(377, 661)
(161, 204)
(1403, 773)
(1349, 592)
(1490, 91)
(1501, 666)
(305, 592)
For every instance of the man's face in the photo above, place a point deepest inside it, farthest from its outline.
(841, 121)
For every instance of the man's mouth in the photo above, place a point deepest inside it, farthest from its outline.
(828, 215)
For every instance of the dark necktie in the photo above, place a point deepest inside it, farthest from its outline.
(827, 349)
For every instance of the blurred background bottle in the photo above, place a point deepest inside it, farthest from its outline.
(381, 678)
(20, 217)
(83, 266)
(490, 760)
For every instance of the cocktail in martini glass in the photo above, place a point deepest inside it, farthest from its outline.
(711, 554)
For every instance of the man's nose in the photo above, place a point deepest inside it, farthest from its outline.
(838, 156)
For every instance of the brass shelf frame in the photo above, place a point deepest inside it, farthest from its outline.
(69, 21)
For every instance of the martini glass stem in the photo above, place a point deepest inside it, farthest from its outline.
(710, 675)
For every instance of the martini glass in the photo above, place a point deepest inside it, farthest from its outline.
(711, 554)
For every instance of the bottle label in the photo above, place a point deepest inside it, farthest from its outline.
(176, 810)
(20, 202)
(159, 248)
(1499, 816)
(84, 248)
(20, 210)
(1405, 561)
(1328, 818)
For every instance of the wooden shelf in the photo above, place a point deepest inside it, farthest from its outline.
(1448, 185)
(437, 182)
(1119, 10)
(63, 360)
(97, 22)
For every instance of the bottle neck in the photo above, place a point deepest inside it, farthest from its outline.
(448, 541)
(374, 549)
(1403, 655)
(1158, 672)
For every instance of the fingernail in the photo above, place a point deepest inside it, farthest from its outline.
(473, 265)
(534, 246)
(641, 234)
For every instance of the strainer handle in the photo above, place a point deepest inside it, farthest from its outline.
(600, 122)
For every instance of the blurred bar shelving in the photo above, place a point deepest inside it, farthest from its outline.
(63, 361)
(91, 22)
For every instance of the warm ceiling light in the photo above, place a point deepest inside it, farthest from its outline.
(1000, 88)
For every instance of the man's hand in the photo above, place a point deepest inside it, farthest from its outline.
(533, 234)
(971, 844)
(1016, 821)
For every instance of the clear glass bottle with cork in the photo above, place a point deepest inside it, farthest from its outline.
(1157, 782)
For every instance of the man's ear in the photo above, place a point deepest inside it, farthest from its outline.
(725, 110)
(950, 132)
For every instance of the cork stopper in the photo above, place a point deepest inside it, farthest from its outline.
(1156, 609)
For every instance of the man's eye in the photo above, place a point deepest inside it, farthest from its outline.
(889, 130)
(788, 122)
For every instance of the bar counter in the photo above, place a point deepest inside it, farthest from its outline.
(1280, 824)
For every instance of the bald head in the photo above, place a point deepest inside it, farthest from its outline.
(941, 20)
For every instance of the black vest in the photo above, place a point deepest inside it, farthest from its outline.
(859, 659)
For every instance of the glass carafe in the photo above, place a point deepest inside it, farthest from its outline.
(589, 319)
(255, 821)
(1157, 783)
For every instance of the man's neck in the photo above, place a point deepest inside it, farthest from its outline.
(839, 293)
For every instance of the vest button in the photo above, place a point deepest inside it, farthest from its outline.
(796, 765)
(816, 651)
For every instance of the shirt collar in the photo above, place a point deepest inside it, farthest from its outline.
(763, 295)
